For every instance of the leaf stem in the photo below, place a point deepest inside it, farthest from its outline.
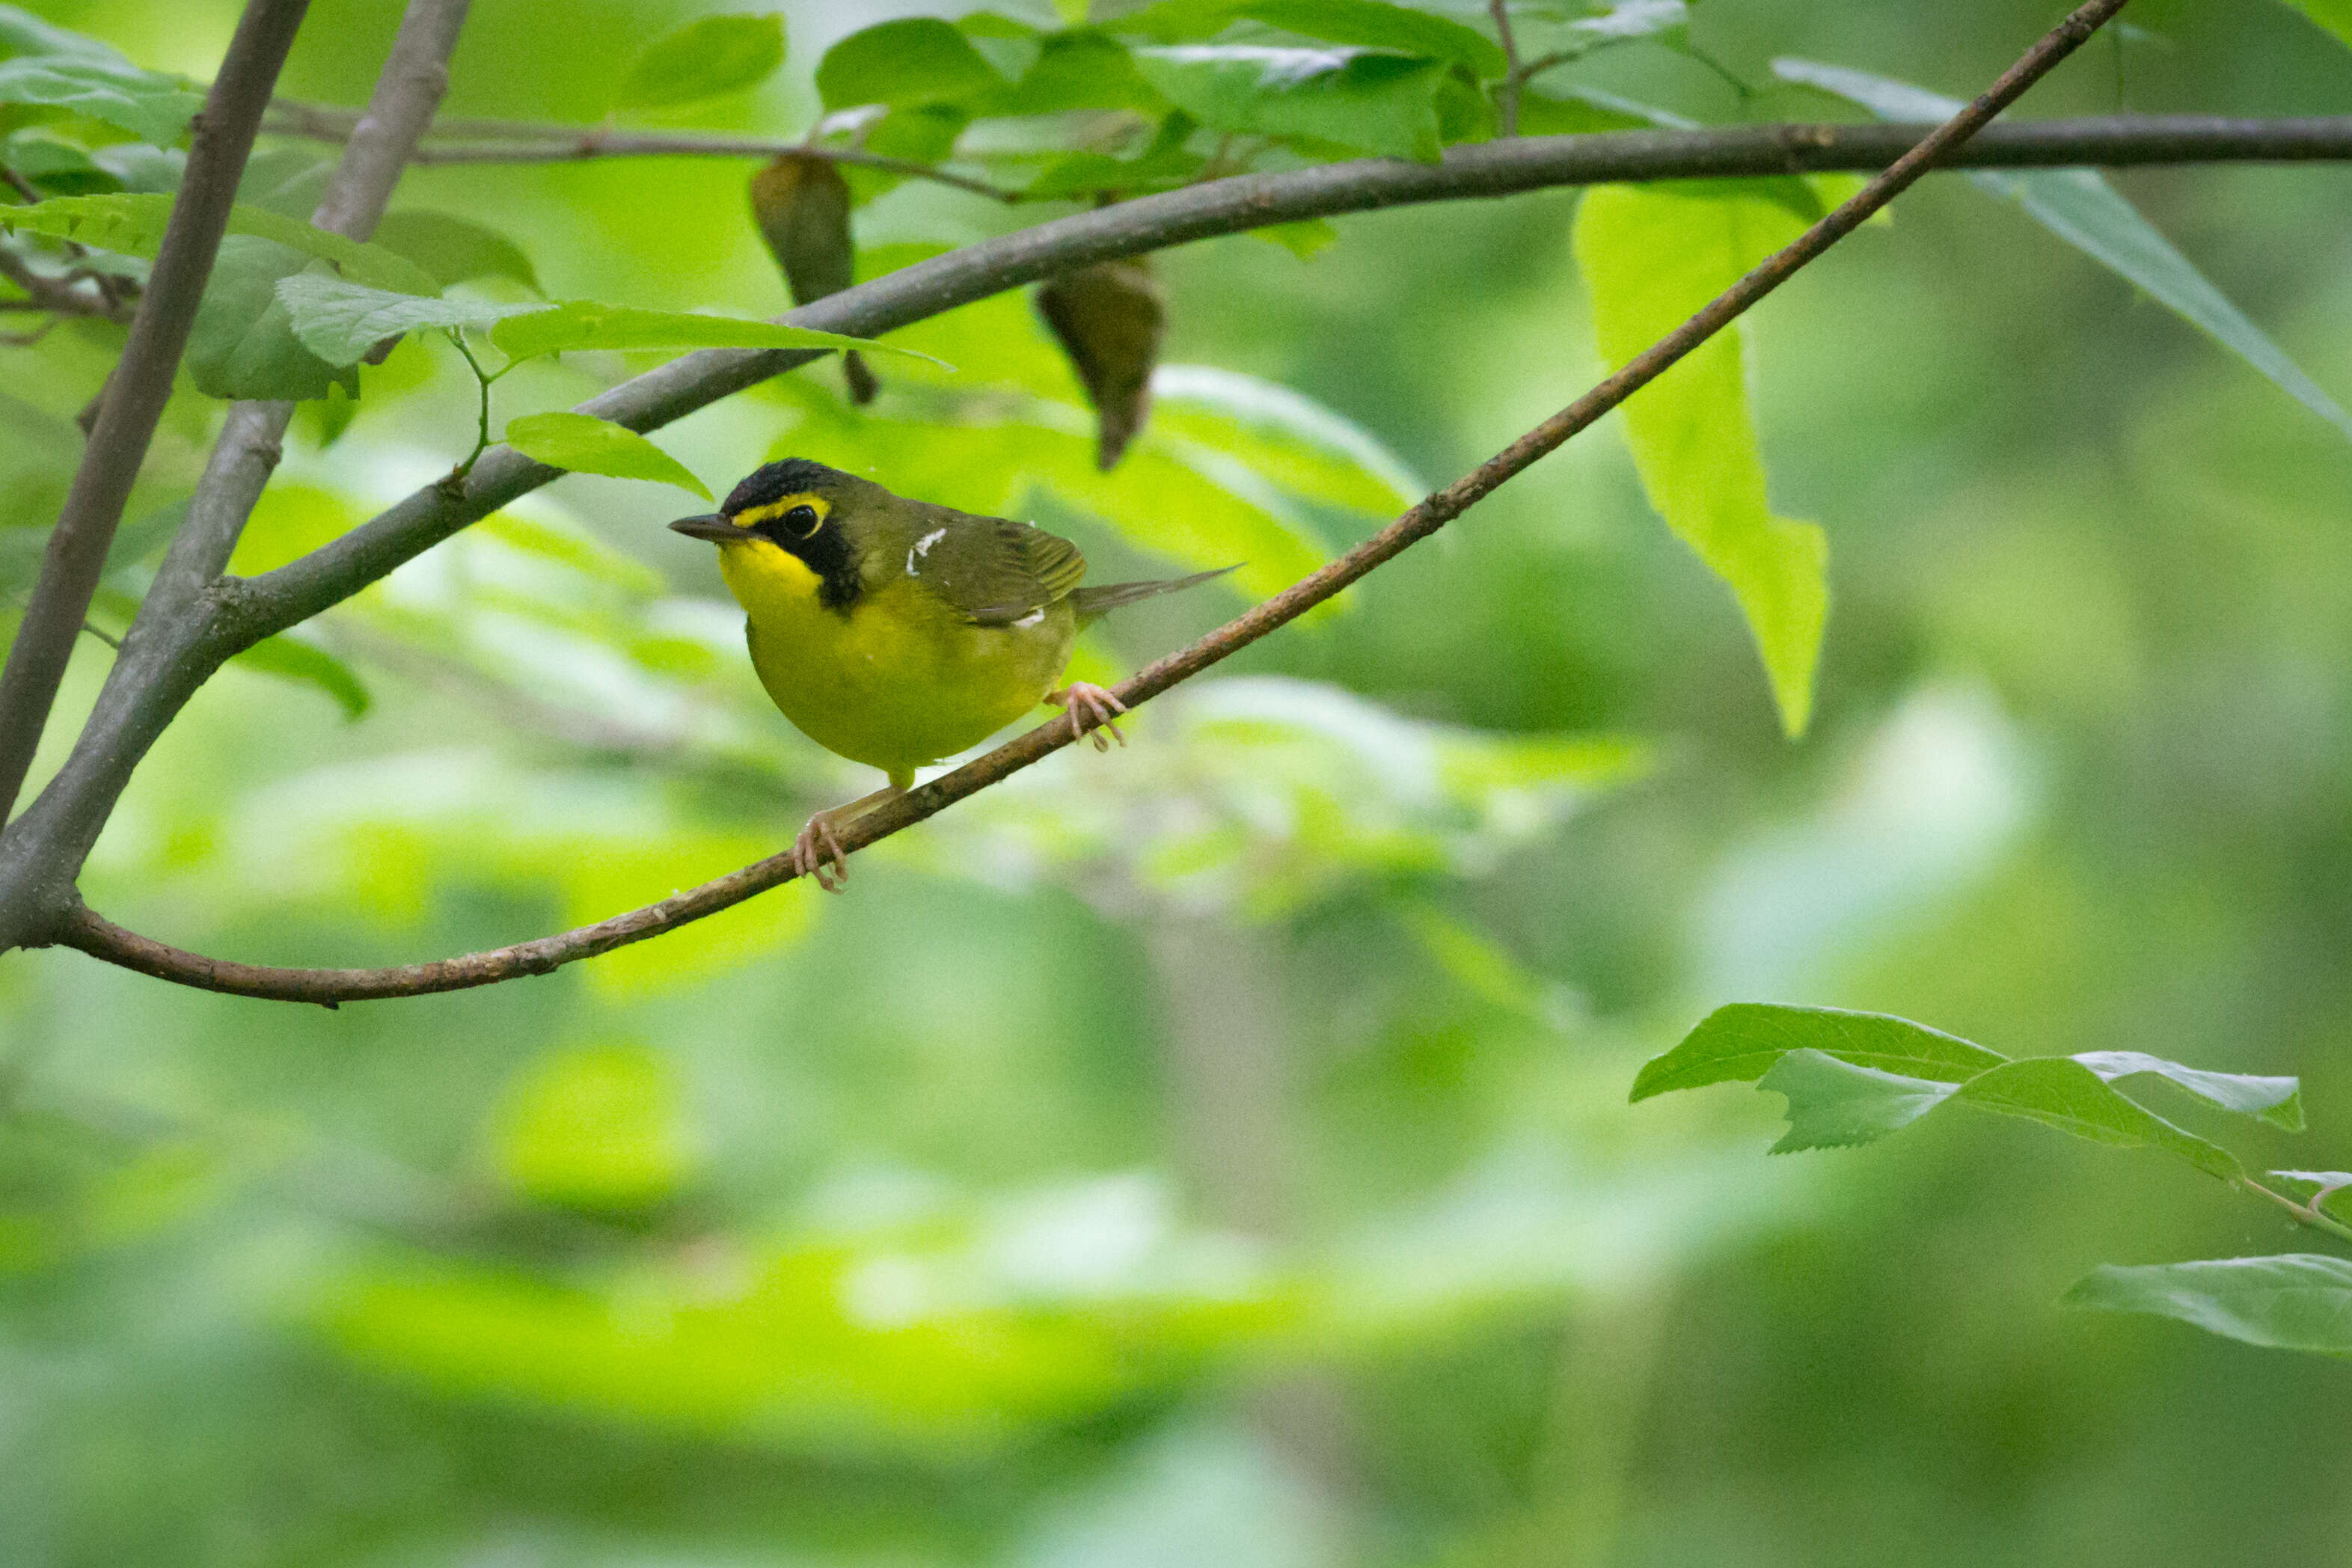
(455, 482)
(2308, 1214)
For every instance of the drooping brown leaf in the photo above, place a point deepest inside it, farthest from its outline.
(801, 206)
(1109, 318)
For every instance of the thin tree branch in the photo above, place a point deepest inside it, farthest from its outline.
(41, 852)
(525, 142)
(100, 938)
(223, 137)
(1508, 92)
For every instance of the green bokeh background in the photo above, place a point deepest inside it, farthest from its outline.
(1091, 1187)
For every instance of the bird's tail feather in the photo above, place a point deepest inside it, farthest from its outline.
(1092, 603)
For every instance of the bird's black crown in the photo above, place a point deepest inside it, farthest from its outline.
(794, 476)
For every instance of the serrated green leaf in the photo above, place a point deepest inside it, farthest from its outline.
(2060, 1092)
(242, 343)
(2080, 207)
(587, 445)
(2277, 1100)
(131, 223)
(2331, 15)
(1738, 1043)
(289, 658)
(581, 324)
(154, 107)
(703, 60)
(1383, 103)
(2295, 1301)
(1301, 446)
(1366, 24)
(455, 249)
(1834, 1104)
(911, 63)
(342, 322)
(1652, 257)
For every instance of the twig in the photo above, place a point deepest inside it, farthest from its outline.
(1506, 95)
(522, 142)
(2308, 1214)
(91, 933)
(223, 137)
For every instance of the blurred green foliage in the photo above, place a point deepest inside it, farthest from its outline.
(1217, 1150)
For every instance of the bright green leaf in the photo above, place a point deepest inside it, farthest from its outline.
(1307, 239)
(454, 249)
(2277, 1100)
(703, 60)
(595, 1129)
(578, 324)
(2060, 1092)
(290, 658)
(1073, 70)
(1653, 256)
(22, 33)
(342, 322)
(2080, 207)
(1834, 1104)
(155, 108)
(587, 445)
(909, 63)
(2295, 1301)
(1366, 24)
(131, 223)
(2333, 16)
(1738, 1043)
(242, 344)
(1310, 450)
(1383, 103)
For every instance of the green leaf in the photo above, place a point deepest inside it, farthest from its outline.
(910, 63)
(1664, 21)
(343, 322)
(1652, 256)
(2080, 207)
(2326, 1184)
(155, 108)
(289, 658)
(703, 60)
(56, 166)
(2295, 1301)
(22, 33)
(1310, 450)
(287, 181)
(1383, 103)
(1741, 1042)
(454, 249)
(1366, 24)
(1834, 1104)
(2331, 15)
(1078, 70)
(595, 1129)
(131, 223)
(587, 445)
(2277, 1100)
(2060, 1092)
(242, 344)
(574, 324)
(1307, 239)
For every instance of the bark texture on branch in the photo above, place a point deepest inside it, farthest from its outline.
(92, 934)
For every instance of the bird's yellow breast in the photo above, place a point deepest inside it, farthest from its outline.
(898, 678)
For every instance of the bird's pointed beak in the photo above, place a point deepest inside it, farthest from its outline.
(710, 525)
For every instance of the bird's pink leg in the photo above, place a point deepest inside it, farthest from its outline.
(1091, 707)
(818, 852)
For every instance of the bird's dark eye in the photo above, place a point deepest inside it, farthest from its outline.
(802, 521)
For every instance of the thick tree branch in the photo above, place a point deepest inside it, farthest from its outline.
(100, 938)
(140, 383)
(151, 673)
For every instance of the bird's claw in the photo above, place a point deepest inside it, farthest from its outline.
(1091, 707)
(817, 853)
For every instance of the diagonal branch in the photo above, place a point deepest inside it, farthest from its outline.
(142, 382)
(100, 938)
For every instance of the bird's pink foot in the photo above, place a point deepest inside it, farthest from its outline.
(817, 853)
(1091, 707)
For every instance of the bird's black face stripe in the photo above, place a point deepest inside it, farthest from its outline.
(822, 549)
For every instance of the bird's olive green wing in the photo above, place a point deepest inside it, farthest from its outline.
(994, 571)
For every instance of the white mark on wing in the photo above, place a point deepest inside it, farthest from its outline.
(1032, 618)
(923, 547)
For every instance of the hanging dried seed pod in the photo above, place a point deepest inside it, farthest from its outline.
(801, 206)
(1109, 318)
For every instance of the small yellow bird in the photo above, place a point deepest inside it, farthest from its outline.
(894, 632)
